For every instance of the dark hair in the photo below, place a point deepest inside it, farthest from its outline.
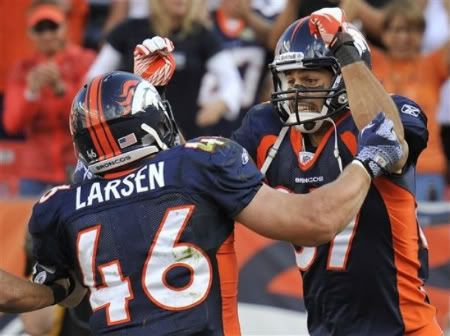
(407, 9)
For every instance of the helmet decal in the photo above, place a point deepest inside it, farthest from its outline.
(126, 96)
(99, 130)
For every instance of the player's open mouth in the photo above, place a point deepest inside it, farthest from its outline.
(307, 108)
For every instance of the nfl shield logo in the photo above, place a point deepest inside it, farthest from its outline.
(304, 157)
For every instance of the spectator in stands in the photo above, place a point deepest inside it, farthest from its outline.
(38, 97)
(197, 50)
(242, 27)
(16, 46)
(405, 70)
(296, 9)
(437, 15)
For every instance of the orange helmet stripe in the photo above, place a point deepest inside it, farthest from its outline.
(98, 127)
(95, 120)
(89, 123)
(111, 140)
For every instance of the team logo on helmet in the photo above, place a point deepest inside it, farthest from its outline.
(126, 96)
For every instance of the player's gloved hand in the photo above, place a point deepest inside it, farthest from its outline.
(154, 61)
(341, 37)
(67, 290)
(325, 23)
(378, 146)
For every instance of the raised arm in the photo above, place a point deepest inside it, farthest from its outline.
(366, 95)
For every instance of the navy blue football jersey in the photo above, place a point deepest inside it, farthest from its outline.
(368, 280)
(155, 246)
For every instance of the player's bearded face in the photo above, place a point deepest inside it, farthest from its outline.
(304, 80)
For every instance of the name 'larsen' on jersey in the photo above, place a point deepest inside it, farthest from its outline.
(147, 178)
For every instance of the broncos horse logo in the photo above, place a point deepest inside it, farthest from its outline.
(126, 96)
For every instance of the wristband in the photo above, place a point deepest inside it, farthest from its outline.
(344, 49)
(59, 292)
(362, 165)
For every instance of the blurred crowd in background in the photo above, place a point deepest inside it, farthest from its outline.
(222, 50)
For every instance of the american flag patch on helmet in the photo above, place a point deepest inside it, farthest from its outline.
(127, 140)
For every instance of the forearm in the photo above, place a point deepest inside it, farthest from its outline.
(327, 210)
(18, 295)
(367, 97)
(338, 202)
(308, 219)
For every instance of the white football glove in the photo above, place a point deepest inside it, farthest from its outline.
(154, 61)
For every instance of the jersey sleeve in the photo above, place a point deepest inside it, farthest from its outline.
(415, 125)
(249, 133)
(47, 238)
(225, 172)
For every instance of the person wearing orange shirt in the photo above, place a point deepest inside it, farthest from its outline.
(38, 98)
(404, 70)
(13, 19)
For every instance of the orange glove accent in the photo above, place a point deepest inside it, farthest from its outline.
(154, 61)
(326, 23)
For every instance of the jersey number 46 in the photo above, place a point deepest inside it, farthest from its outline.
(165, 253)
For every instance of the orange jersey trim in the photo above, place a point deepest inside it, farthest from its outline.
(89, 122)
(101, 116)
(296, 143)
(419, 317)
(228, 274)
(264, 145)
(99, 129)
(349, 139)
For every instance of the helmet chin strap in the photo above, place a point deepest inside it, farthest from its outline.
(274, 149)
(336, 153)
(312, 126)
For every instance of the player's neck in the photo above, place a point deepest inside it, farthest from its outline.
(316, 137)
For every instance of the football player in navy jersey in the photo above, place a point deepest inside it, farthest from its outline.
(369, 279)
(151, 234)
